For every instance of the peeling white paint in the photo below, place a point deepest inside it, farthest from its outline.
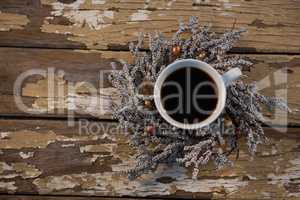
(93, 19)
(146, 4)
(291, 175)
(8, 176)
(170, 3)
(76, 138)
(26, 171)
(98, 148)
(140, 15)
(266, 194)
(8, 186)
(59, 7)
(18, 169)
(67, 145)
(227, 14)
(94, 158)
(26, 155)
(75, 99)
(230, 5)
(94, 105)
(251, 177)
(4, 135)
(4, 167)
(97, 2)
(274, 150)
(226, 4)
(108, 183)
(56, 183)
(125, 165)
(206, 185)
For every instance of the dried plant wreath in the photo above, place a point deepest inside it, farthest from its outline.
(157, 141)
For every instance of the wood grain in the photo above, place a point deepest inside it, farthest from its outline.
(39, 197)
(86, 24)
(80, 84)
(42, 156)
(50, 157)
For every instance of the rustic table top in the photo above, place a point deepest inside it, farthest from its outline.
(44, 157)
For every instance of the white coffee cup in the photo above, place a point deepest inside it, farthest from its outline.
(220, 82)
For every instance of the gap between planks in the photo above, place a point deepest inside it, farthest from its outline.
(21, 117)
(234, 50)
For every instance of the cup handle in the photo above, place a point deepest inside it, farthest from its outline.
(231, 75)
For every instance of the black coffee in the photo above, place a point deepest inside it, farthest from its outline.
(189, 95)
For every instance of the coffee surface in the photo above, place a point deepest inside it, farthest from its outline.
(189, 95)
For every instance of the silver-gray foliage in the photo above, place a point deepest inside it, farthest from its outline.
(169, 144)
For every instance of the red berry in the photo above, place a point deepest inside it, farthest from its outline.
(150, 130)
(176, 51)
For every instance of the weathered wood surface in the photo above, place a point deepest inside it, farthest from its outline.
(273, 26)
(80, 88)
(32, 197)
(41, 155)
(48, 157)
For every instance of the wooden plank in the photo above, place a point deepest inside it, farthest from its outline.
(40, 197)
(272, 25)
(48, 157)
(82, 70)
